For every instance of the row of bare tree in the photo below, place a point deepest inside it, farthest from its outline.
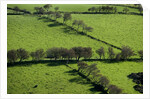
(68, 54)
(52, 53)
(66, 17)
(125, 53)
(93, 73)
(112, 9)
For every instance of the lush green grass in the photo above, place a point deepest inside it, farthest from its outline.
(31, 32)
(117, 73)
(116, 29)
(69, 7)
(49, 78)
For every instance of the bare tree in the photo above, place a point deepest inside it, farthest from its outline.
(91, 68)
(111, 53)
(47, 6)
(22, 54)
(82, 66)
(80, 22)
(118, 56)
(75, 22)
(56, 9)
(113, 89)
(12, 56)
(57, 15)
(104, 81)
(38, 54)
(66, 17)
(101, 52)
(16, 9)
(126, 52)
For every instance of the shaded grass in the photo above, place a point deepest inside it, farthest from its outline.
(33, 33)
(54, 77)
(47, 79)
(117, 73)
(115, 29)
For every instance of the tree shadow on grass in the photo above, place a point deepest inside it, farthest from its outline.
(72, 72)
(98, 88)
(55, 24)
(56, 63)
(48, 62)
(114, 60)
(79, 80)
(82, 79)
(70, 30)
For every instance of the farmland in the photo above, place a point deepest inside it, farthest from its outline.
(32, 32)
(64, 7)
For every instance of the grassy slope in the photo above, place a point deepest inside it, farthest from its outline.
(116, 29)
(117, 73)
(67, 7)
(32, 34)
(50, 79)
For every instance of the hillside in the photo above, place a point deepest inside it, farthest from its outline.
(49, 76)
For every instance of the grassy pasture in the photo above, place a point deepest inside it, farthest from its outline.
(116, 29)
(31, 33)
(117, 73)
(50, 78)
(69, 7)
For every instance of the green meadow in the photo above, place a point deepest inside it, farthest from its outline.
(69, 7)
(50, 78)
(32, 32)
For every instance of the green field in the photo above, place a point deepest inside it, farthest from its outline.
(117, 73)
(49, 78)
(32, 32)
(69, 7)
